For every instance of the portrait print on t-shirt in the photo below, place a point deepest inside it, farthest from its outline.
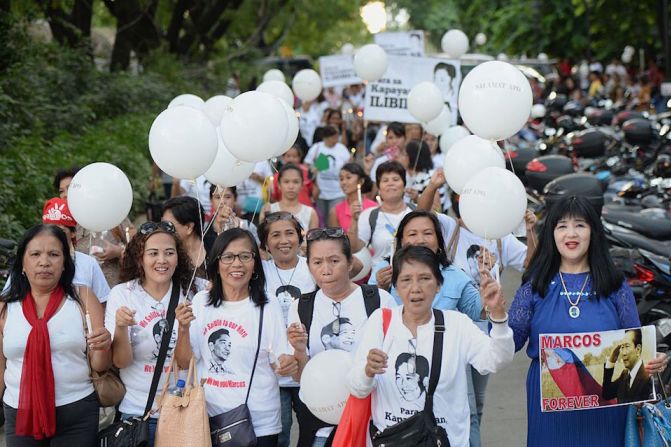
(286, 294)
(219, 343)
(474, 255)
(160, 327)
(339, 333)
(412, 376)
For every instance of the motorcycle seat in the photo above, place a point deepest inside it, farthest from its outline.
(658, 229)
(634, 240)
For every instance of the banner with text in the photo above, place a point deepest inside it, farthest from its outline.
(409, 43)
(387, 99)
(338, 70)
(596, 369)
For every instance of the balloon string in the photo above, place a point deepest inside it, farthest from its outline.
(219, 190)
(510, 159)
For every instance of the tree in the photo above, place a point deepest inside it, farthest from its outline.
(68, 28)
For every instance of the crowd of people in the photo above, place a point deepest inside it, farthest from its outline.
(260, 278)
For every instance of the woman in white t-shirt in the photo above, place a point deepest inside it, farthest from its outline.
(396, 368)
(137, 309)
(326, 159)
(287, 278)
(221, 328)
(390, 181)
(332, 317)
(290, 182)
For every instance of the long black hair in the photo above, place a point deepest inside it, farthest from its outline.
(257, 285)
(419, 156)
(19, 285)
(441, 254)
(544, 264)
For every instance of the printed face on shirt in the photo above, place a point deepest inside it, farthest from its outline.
(420, 231)
(477, 255)
(339, 334)
(158, 331)
(282, 241)
(44, 261)
(412, 376)
(572, 238)
(348, 182)
(159, 259)
(219, 343)
(392, 186)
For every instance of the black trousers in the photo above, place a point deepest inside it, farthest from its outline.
(76, 425)
(265, 441)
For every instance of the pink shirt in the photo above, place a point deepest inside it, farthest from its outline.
(344, 214)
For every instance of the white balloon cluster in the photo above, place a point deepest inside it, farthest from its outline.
(627, 54)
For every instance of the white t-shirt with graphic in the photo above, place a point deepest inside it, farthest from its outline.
(385, 228)
(224, 341)
(145, 338)
(329, 180)
(287, 286)
(401, 391)
(353, 317)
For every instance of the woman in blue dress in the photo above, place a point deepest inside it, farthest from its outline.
(571, 285)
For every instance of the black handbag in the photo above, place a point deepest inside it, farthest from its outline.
(234, 428)
(134, 432)
(420, 429)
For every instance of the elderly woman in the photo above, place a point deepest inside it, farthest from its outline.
(237, 336)
(137, 309)
(426, 351)
(330, 318)
(49, 398)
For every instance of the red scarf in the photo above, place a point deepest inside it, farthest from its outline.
(36, 416)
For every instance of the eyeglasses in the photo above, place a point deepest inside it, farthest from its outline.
(149, 227)
(279, 215)
(244, 257)
(328, 232)
(412, 361)
(336, 324)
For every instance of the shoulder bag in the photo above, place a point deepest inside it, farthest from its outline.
(420, 429)
(234, 428)
(649, 425)
(134, 432)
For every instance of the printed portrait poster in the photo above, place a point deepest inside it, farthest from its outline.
(409, 43)
(338, 70)
(387, 98)
(596, 369)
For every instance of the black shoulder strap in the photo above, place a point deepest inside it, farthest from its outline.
(256, 357)
(436, 358)
(371, 298)
(306, 307)
(372, 221)
(163, 350)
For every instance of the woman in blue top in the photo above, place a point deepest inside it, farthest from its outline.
(458, 292)
(571, 285)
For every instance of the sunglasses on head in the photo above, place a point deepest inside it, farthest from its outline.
(279, 215)
(325, 233)
(149, 227)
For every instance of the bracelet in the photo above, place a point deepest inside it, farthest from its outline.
(504, 321)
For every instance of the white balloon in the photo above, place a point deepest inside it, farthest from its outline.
(425, 101)
(347, 49)
(100, 196)
(254, 128)
(226, 170)
(307, 84)
(366, 260)
(441, 123)
(502, 57)
(183, 142)
(279, 89)
(626, 58)
(629, 49)
(451, 136)
(370, 62)
(274, 75)
(292, 130)
(469, 156)
(324, 385)
(480, 39)
(215, 106)
(538, 111)
(492, 204)
(454, 43)
(495, 100)
(542, 57)
(187, 99)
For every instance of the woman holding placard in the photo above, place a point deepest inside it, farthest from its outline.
(572, 286)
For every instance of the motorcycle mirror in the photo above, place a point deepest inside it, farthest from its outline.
(664, 130)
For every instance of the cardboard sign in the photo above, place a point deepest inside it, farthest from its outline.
(410, 43)
(338, 70)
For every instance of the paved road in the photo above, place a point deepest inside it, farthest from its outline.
(505, 422)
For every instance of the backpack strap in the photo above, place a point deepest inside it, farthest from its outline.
(372, 221)
(306, 307)
(371, 298)
(436, 359)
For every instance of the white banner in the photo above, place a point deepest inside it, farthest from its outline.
(387, 99)
(410, 43)
(338, 70)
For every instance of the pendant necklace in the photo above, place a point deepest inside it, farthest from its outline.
(573, 310)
